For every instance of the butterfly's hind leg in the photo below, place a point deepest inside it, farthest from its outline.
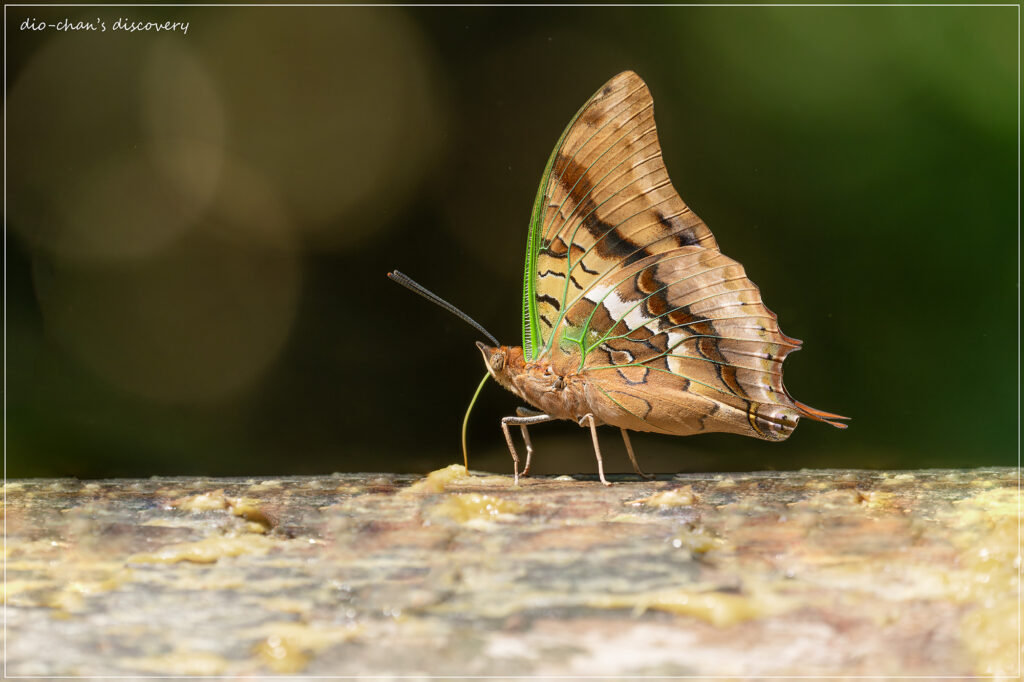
(597, 448)
(632, 457)
(523, 421)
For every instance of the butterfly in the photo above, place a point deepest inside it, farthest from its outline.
(632, 316)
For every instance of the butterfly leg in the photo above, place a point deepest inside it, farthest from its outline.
(527, 412)
(597, 448)
(632, 457)
(524, 422)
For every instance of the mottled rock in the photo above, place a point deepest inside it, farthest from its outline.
(772, 573)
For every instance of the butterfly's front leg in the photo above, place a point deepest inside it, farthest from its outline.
(523, 421)
(527, 412)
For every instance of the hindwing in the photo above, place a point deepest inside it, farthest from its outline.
(686, 331)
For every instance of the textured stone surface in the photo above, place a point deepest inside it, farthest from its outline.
(777, 573)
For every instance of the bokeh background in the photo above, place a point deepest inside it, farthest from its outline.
(199, 226)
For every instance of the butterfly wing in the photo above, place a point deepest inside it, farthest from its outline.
(681, 343)
(630, 290)
(605, 197)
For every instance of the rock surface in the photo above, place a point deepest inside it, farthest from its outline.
(773, 573)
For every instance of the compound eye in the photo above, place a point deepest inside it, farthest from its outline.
(498, 362)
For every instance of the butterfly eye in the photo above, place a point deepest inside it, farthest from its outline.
(498, 361)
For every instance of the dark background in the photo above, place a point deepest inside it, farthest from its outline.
(198, 227)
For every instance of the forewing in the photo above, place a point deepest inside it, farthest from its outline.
(605, 199)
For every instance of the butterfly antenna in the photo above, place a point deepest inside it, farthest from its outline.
(396, 276)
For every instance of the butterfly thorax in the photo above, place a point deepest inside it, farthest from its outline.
(562, 396)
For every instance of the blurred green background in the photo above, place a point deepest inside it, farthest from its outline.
(198, 227)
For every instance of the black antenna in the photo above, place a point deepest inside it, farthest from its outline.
(396, 276)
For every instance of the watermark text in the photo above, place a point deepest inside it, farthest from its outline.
(121, 25)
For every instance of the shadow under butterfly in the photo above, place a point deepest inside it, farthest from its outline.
(631, 315)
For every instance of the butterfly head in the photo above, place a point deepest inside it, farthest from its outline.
(503, 362)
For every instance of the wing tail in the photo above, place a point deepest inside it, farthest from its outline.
(820, 415)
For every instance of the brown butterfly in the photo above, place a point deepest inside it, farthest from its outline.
(631, 315)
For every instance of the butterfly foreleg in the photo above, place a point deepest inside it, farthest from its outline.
(584, 420)
(522, 421)
(632, 457)
(527, 412)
